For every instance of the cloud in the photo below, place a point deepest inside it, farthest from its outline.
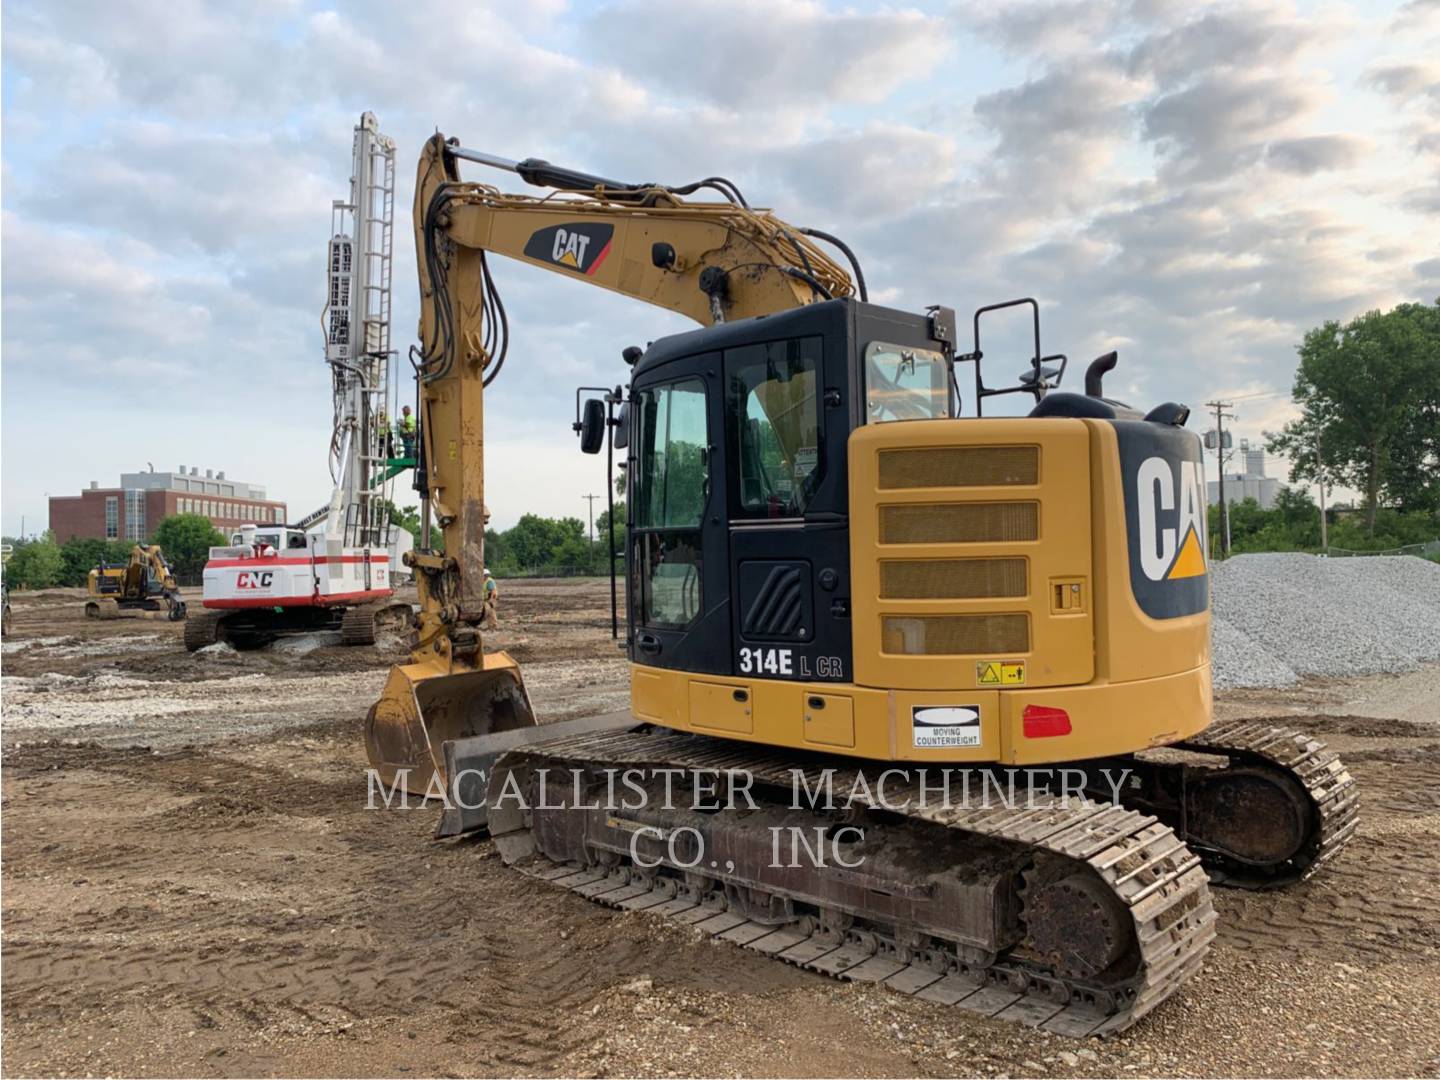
(777, 54)
(1195, 184)
(1219, 124)
(854, 174)
(1315, 153)
(1237, 39)
(1045, 27)
(1406, 80)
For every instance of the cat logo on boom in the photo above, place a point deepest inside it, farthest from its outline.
(580, 246)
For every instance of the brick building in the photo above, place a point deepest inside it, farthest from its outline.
(133, 510)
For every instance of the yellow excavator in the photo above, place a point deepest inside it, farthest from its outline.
(856, 621)
(144, 583)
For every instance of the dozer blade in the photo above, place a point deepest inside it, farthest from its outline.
(423, 707)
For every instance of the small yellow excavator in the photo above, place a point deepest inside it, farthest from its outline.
(855, 612)
(143, 584)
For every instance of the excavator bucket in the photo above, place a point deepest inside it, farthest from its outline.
(423, 707)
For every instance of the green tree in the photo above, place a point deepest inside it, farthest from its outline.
(186, 540)
(82, 554)
(408, 519)
(495, 551)
(538, 541)
(1369, 394)
(36, 564)
(602, 524)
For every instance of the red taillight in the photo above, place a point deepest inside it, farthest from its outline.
(1041, 722)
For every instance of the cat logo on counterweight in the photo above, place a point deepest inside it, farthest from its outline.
(1165, 510)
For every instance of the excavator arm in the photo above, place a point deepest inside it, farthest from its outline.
(711, 261)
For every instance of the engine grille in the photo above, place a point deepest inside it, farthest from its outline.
(959, 523)
(952, 579)
(960, 466)
(955, 635)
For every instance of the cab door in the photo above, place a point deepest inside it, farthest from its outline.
(679, 595)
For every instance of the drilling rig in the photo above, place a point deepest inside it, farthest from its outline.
(334, 568)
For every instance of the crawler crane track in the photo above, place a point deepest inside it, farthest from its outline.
(1075, 917)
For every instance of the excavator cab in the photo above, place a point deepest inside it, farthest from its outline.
(821, 548)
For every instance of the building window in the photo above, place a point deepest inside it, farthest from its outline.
(134, 514)
(112, 517)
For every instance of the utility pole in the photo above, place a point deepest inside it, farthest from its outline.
(591, 500)
(1320, 468)
(1220, 417)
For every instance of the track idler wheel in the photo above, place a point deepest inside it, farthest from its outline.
(1254, 815)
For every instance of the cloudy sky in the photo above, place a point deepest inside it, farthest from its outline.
(1192, 184)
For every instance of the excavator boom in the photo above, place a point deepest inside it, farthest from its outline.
(711, 261)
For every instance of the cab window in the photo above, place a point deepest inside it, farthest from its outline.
(905, 383)
(674, 475)
(774, 426)
(673, 486)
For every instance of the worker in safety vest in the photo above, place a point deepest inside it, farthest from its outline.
(407, 431)
(491, 619)
(384, 437)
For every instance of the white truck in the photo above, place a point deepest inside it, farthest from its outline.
(335, 569)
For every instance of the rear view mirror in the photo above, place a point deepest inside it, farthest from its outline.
(622, 428)
(592, 427)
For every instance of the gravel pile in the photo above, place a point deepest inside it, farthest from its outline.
(1238, 660)
(1280, 617)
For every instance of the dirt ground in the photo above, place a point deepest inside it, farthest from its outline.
(192, 885)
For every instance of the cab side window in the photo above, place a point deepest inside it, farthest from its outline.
(774, 426)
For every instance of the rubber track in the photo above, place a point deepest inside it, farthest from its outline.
(1320, 771)
(1159, 879)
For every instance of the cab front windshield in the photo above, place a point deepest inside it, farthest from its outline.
(905, 383)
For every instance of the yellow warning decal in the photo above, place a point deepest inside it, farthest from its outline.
(1190, 561)
(1000, 673)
